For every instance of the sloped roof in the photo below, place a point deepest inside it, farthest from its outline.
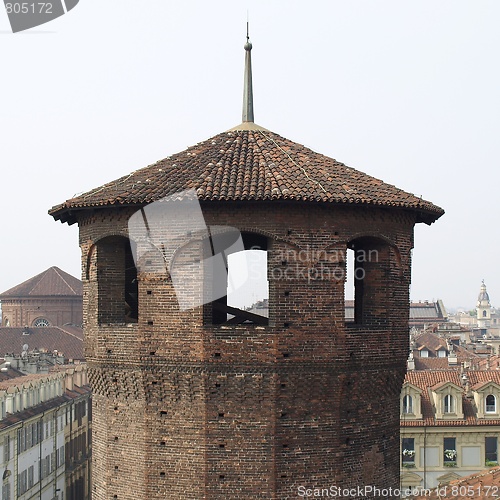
(427, 379)
(52, 282)
(48, 339)
(249, 164)
(477, 486)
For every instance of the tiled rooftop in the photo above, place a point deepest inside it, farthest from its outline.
(427, 379)
(484, 485)
(249, 165)
(52, 282)
(66, 341)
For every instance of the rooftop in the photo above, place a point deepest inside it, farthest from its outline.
(52, 282)
(249, 163)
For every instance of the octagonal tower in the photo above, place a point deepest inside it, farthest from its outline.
(211, 401)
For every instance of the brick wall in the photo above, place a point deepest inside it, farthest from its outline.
(190, 410)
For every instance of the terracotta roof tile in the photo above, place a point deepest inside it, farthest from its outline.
(249, 165)
(427, 379)
(48, 339)
(51, 282)
(483, 485)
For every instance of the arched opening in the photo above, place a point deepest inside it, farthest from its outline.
(449, 404)
(116, 281)
(407, 404)
(484, 314)
(491, 404)
(368, 289)
(240, 287)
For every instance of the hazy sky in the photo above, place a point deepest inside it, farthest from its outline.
(408, 92)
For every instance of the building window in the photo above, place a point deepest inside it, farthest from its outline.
(441, 353)
(491, 451)
(6, 448)
(424, 353)
(240, 292)
(484, 314)
(449, 404)
(450, 451)
(407, 404)
(408, 452)
(6, 322)
(41, 322)
(491, 404)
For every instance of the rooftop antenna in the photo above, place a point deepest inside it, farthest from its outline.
(247, 89)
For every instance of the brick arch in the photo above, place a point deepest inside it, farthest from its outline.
(111, 259)
(377, 268)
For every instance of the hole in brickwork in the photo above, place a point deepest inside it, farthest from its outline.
(163, 413)
(149, 292)
(243, 293)
(283, 415)
(109, 351)
(115, 380)
(216, 354)
(217, 385)
(283, 386)
(285, 446)
(150, 323)
(163, 443)
(162, 474)
(222, 446)
(347, 441)
(336, 233)
(289, 232)
(284, 263)
(286, 355)
(221, 415)
(116, 438)
(117, 293)
(221, 476)
(287, 293)
(116, 467)
(286, 325)
(154, 382)
(283, 476)
(152, 353)
(116, 408)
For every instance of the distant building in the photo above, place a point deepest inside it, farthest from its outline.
(450, 425)
(52, 298)
(483, 308)
(45, 436)
(29, 349)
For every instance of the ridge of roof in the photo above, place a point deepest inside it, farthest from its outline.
(51, 282)
(249, 163)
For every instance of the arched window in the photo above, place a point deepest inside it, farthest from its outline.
(117, 281)
(41, 322)
(371, 266)
(241, 290)
(484, 314)
(449, 404)
(407, 404)
(491, 404)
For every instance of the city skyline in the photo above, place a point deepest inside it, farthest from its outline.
(407, 94)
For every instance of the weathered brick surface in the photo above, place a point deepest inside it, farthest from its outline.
(189, 410)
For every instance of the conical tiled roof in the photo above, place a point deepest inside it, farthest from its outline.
(249, 163)
(52, 282)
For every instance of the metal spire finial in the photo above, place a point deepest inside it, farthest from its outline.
(247, 89)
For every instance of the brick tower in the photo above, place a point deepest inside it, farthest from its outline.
(215, 401)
